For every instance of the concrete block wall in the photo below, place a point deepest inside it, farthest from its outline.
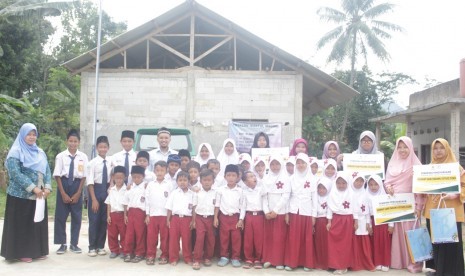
(436, 94)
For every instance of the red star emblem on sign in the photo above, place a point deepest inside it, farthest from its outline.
(279, 185)
(324, 205)
(346, 204)
(354, 174)
(307, 185)
(363, 208)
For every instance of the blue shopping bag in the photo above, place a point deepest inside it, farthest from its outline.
(419, 244)
(443, 225)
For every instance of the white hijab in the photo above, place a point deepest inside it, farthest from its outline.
(273, 180)
(245, 157)
(371, 194)
(359, 195)
(211, 155)
(338, 199)
(225, 159)
(326, 164)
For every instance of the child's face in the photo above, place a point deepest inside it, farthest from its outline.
(137, 178)
(231, 178)
(204, 153)
(229, 148)
(173, 167)
(322, 191)
(301, 165)
(275, 166)
(290, 168)
(251, 180)
(182, 183)
(260, 168)
(314, 168)
(332, 151)
(403, 150)
(358, 183)
(72, 143)
(207, 182)
(439, 151)
(143, 162)
(373, 186)
(341, 184)
(193, 175)
(330, 171)
(31, 138)
(102, 149)
(118, 178)
(261, 142)
(245, 165)
(215, 168)
(367, 143)
(160, 172)
(127, 143)
(300, 148)
(184, 161)
(163, 140)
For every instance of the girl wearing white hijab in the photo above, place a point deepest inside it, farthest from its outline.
(321, 233)
(277, 189)
(204, 153)
(367, 143)
(342, 222)
(301, 216)
(259, 169)
(228, 155)
(380, 234)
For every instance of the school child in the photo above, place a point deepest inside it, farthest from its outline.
(174, 163)
(97, 186)
(143, 159)
(290, 165)
(205, 153)
(321, 233)
(301, 218)
(228, 154)
(259, 169)
(277, 192)
(341, 225)
(331, 150)
(215, 166)
(156, 196)
(313, 162)
(239, 181)
(193, 169)
(202, 218)
(245, 161)
(179, 219)
(70, 175)
(134, 216)
(380, 234)
(330, 169)
(300, 145)
(126, 157)
(185, 158)
(253, 217)
(227, 220)
(115, 213)
(362, 255)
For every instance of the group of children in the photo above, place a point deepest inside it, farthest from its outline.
(258, 211)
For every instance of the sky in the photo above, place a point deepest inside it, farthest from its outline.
(429, 49)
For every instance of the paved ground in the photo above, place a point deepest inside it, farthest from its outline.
(82, 265)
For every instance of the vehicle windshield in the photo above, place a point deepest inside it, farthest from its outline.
(149, 142)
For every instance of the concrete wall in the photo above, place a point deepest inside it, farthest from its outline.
(436, 94)
(200, 100)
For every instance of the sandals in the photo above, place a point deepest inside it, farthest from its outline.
(127, 258)
(137, 259)
(248, 265)
(207, 262)
(196, 266)
(162, 261)
(150, 261)
(257, 265)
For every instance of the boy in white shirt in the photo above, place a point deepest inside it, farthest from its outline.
(126, 157)
(174, 162)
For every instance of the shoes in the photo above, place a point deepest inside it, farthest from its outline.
(137, 259)
(266, 264)
(279, 267)
(257, 265)
(101, 252)
(113, 255)
(127, 258)
(236, 263)
(384, 268)
(340, 271)
(25, 260)
(163, 261)
(288, 268)
(247, 265)
(122, 256)
(378, 267)
(306, 269)
(62, 249)
(223, 261)
(92, 253)
(75, 249)
(150, 261)
(207, 262)
(196, 266)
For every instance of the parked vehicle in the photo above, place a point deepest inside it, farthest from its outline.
(146, 139)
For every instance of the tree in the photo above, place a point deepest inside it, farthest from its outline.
(358, 31)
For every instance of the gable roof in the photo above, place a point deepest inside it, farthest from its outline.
(320, 90)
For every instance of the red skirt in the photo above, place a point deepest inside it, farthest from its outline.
(299, 245)
(275, 240)
(321, 243)
(381, 242)
(362, 257)
(340, 241)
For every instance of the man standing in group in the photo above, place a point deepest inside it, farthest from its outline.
(163, 150)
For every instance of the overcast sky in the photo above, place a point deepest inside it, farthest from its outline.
(431, 46)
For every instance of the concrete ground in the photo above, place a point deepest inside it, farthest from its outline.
(80, 264)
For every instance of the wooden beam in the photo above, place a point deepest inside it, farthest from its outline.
(147, 57)
(187, 35)
(272, 64)
(124, 58)
(226, 59)
(170, 49)
(235, 54)
(259, 60)
(213, 49)
(192, 42)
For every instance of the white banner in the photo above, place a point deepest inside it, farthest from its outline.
(436, 178)
(365, 164)
(387, 208)
(244, 132)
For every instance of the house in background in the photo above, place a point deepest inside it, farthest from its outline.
(192, 68)
(436, 112)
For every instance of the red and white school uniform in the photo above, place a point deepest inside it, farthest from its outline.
(181, 204)
(156, 196)
(340, 212)
(204, 203)
(148, 177)
(254, 219)
(229, 202)
(321, 233)
(362, 255)
(136, 230)
(277, 192)
(117, 228)
(302, 209)
(172, 179)
(381, 239)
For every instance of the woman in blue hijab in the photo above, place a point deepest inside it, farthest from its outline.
(25, 231)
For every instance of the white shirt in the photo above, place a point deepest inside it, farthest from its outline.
(219, 183)
(119, 158)
(94, 174)
(303, 199)
(229, 200)
(172, 180)
(321, 207)
(63, 161)
(135, 197)
(204, 202)
(157, 155)
(180, 202)
(149, 177)
(156, 196)
(252, 200)
(115, 198)
(276, 199)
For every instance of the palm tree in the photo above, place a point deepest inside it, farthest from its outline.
(358, 30)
